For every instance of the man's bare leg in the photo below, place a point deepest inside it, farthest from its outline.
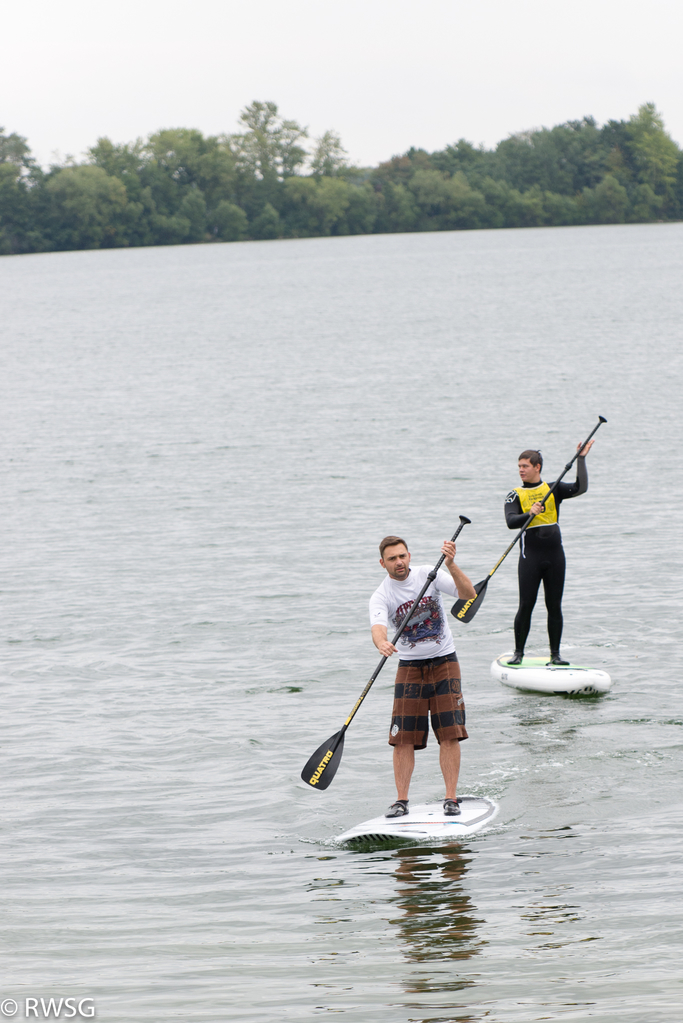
(404, 762)
(449, 759)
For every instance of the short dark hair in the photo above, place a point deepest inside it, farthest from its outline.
(390, 541)
(533, 456)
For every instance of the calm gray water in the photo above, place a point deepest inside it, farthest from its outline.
(202, 448)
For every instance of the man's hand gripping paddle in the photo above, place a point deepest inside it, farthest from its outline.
(321, 768)
(465, 610)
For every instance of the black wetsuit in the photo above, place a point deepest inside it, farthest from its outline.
(541, 557)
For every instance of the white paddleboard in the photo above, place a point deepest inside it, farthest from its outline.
(424, 823)
(534, 673)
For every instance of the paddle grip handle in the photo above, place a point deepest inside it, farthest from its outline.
(464, 521)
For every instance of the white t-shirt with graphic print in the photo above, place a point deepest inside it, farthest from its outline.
(428, 633)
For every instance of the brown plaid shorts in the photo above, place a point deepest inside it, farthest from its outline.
(427, 686)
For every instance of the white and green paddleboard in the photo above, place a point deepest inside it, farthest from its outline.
(426, 822)
(535, 674)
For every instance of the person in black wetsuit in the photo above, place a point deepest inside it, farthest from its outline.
(541, 556)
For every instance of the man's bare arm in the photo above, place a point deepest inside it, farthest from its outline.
(379, 638)
(462, 583)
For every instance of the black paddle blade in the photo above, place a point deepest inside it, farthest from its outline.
(322, 767)
(465, 610)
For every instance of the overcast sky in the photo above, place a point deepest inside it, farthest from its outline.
(385, 74)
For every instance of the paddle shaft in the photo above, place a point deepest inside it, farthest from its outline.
(532, 515)
(430, 579)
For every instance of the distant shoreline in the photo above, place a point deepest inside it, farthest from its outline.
(265, 182)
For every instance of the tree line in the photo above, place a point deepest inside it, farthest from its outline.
(268, 181)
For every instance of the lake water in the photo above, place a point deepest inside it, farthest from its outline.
(202, 448)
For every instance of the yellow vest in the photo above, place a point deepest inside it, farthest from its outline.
(529, 496)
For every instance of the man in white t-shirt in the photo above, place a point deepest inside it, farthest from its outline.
(428, 676)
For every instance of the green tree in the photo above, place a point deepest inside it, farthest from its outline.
(500, 202)
(171, 172)
(171, 180)
(362, 210)
(217, 171)
(655, 153)
(229, 222)
(87, 207)
(178, 151)
(400, 169)
(561, 210)
(677, 205)
(15, 211)
(461, 156)
(530, 209)
(14, 150)
(645, 205)
(193, 207)
(447, 203)
(125, 162)
(267, 224)
(329, 156)
(170, 229)
(432, 198)
(644, 159)
(607, 203)
(396, 207)
(316, 207)
(192, 160)
(270, 148)
(467, 205)
(299, 207)
(21, 192)
(564, 159)
(129, 163)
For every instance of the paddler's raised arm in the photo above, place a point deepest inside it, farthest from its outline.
(463, 583)
(581, 471)
(580, 485)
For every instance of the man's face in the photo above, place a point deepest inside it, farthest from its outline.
(529, 473)
(396, 560)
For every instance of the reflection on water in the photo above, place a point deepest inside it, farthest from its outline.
(437, 924)
(438, 921)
